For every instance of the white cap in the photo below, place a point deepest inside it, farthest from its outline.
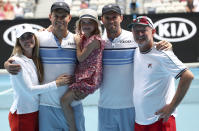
(89, 13)
(24, 28)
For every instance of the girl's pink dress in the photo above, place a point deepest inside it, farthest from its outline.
(88, 74)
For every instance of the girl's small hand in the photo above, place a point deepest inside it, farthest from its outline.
(95, 44)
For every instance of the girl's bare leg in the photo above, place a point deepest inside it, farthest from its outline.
(66, 101)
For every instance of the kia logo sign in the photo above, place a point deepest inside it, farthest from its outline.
(9, 35)
(174, 29)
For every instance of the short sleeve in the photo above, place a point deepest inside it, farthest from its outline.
(172, 64)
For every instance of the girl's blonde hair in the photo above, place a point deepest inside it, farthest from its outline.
(18, 50)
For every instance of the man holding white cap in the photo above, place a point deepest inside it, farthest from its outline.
(154, 95)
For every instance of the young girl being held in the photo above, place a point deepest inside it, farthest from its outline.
(88, 73)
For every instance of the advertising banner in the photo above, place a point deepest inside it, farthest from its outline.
(180, 29)
(8, 37)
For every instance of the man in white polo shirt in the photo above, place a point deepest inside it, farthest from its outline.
(154, 95)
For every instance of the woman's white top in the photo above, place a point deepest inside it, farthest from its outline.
(26, 86)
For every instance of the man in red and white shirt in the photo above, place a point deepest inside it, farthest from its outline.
(154, 95)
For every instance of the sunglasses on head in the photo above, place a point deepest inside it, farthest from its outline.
(26, 36)
(142, 20)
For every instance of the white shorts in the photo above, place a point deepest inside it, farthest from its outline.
(52, 118)
(116, 119)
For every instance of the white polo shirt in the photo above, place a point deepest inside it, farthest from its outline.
(26, 87)
(117, 86)
(57, 59)
(154, 84)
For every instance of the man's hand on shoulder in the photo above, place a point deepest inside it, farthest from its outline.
(163, 45)
(12, 68)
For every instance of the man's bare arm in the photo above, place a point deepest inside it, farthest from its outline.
(183, 86)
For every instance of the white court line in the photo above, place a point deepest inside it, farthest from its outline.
(3, 71)
(196, 64)
(6, 91)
